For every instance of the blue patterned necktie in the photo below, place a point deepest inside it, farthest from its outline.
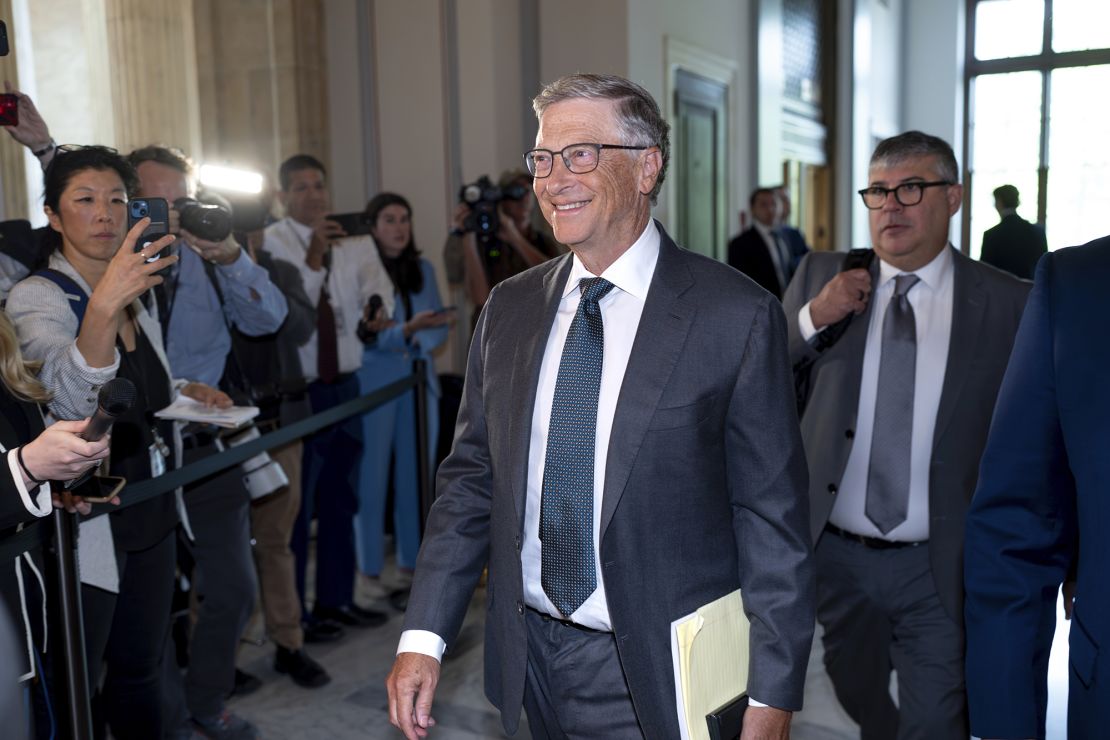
(888, 477)
(567, 509)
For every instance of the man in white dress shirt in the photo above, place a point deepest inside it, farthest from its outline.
(627, 451)
(894, 426)
(340, 274)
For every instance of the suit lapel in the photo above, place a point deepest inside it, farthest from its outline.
(527, 358)
(969, 304)
(664, 323)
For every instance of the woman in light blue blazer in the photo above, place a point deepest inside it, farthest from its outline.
(418, 325)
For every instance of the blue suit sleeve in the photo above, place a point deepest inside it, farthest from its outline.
(1020, 535)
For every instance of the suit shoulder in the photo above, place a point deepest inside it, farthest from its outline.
(1000, 281)
(721, 280)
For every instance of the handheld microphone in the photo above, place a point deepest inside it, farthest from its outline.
(116, 398)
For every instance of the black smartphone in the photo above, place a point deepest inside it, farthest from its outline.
(353, 223)
(100, 489)
(158, 211)
(445, 309)
(9, 109)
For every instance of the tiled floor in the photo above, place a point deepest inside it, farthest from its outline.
(354, 704)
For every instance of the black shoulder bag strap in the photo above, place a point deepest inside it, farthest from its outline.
(803, 370)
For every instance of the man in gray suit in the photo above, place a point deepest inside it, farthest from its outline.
(627, 451)
(896, 420)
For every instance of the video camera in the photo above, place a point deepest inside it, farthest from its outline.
(483, 196)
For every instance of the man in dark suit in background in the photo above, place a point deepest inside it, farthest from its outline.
(1014, 245)
(627, 451)
(795, 240)
(895, 423)
(759, 252)
(1040, 510)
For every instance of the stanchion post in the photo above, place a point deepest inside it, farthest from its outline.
(423, 455)
(73, 635)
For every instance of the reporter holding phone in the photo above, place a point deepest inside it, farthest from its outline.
(32, 456)
(126, 602)
(418, 325)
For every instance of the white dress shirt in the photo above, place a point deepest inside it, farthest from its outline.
(356, 274)
(620, 310)
(931, 298)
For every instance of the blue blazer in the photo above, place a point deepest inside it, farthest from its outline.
(390, 358)
(1043, 506)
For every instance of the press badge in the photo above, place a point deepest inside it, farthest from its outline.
(158, 454)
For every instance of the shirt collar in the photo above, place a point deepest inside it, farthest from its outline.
(931, 274)
(766, 231)
(631, 272)
(303, 232)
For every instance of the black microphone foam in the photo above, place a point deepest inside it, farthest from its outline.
(116, 398)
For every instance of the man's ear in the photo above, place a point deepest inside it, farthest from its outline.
(650, 167)
(955, 195)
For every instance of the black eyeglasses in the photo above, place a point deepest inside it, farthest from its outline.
(579, 158)
(907, 194)
(67, 148)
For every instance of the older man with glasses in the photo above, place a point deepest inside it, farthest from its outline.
(627, 451)
(894, 424)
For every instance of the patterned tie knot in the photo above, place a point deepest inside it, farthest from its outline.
(594, 289)
(903, 283)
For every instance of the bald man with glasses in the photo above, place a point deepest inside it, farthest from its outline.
(894, 425)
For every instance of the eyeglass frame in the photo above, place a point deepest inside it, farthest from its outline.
(566, 162)
(887, 191)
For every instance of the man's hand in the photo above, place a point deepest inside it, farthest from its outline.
(765, 723)
(206, 394)
(324, 232)
(411, 686)
(845, 294)
(218, 253)
(32, 131)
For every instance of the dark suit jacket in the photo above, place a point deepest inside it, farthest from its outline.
(1042, 497)
(796, 244)
(704, 486)
(748, 253)
(13, 512)
(987, 305)
(1014, 245)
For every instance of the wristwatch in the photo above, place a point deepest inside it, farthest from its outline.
(46, 149)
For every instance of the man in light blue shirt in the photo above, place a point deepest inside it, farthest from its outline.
(215, 286)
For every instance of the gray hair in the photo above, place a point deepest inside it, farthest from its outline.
(911, 144)
(638, 116)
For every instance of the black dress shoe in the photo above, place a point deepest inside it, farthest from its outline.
(350, 615)
(302, 669)
(322, 630)
(245, 684)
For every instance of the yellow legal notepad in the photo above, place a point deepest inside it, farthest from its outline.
(709, 649)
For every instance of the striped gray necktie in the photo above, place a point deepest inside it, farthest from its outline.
(888, 477)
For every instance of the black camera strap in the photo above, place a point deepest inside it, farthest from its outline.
(825, 340)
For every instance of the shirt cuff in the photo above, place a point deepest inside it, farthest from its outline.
(805, 323)
(40, 505)
(243, 269)
(755, 703)
(423, 642)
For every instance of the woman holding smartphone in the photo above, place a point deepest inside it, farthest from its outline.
(418, 326)
(85, 323)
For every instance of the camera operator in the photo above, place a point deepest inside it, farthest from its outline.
(340, 275)
(492, 234)
(215, 286)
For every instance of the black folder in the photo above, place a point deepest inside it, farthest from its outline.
(726, 722)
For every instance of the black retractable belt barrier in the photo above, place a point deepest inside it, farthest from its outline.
(75, 677)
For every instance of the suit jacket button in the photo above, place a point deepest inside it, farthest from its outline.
(520, 608)
(832, 488)
(850, 433)
(516, 541)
